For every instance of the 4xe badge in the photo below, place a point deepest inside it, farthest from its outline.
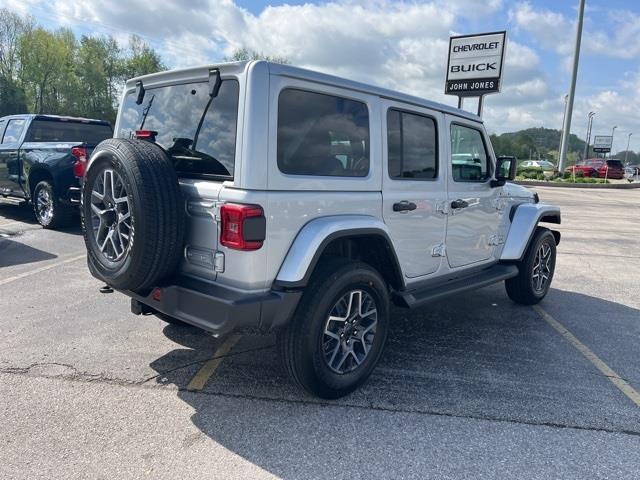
(475, 64)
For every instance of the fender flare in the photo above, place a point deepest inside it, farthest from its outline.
(524, 220)
(316, 235)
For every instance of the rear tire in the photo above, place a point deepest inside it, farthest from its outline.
(339, 329)
(49, 212)
(536, 270)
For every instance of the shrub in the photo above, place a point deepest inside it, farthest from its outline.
(579, 174)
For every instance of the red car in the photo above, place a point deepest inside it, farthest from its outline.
(599, 168)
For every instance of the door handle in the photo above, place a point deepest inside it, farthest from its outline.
(404, 206)
(459, 203)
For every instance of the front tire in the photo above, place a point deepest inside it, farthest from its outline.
(338, 332)
(536, 270)
(50, 213)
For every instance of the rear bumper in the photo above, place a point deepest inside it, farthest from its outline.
(216, 308)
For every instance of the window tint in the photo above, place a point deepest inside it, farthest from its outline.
(198, 132)
(14, 130)
(412, 147)
(65, 131)
(321, 134)
(469, 158)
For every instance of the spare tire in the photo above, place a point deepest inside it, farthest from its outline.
(133, 214)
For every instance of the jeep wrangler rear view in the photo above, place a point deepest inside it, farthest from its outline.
(258, 195)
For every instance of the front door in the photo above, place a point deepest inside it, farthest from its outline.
(414, 184)
(473, 203)
(9, 156)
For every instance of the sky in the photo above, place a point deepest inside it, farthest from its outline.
(400, 45)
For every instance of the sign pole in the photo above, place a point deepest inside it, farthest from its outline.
(460, 102)
(480, 105)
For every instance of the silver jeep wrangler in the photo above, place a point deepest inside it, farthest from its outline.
(266, 196)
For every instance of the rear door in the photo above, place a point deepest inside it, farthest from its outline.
(414, 185)
(473, 204)
(198, 132)
(10, 169)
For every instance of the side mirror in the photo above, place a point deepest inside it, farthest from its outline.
(505, 170)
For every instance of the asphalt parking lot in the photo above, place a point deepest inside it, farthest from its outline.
(480, 388)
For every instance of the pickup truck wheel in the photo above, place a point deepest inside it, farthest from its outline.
(536, 270)
(49, 212)
(132, 214)
(338, 332)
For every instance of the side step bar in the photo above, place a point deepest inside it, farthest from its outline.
(419, 297)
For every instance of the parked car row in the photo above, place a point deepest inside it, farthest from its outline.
(43, 158)
(598, 168)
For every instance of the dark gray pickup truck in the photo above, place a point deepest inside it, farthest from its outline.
(42, 160)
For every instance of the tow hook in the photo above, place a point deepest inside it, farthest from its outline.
(106, 289)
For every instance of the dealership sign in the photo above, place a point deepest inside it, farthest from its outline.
(475, 64)
(602, 143)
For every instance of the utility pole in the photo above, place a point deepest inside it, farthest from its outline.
(626, 152)
(566, 129)
(588, 136)
(613, 131)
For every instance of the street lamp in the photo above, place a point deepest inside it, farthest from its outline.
(588, 136)
(613, 131)
(626, 152)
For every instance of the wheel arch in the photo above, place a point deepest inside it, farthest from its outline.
(525, 218)
(36, 175)
(360, 237)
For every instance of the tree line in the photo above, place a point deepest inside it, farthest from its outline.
(55, 72)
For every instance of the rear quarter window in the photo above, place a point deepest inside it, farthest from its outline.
(322, 135)
(198, 132)
(67, 131)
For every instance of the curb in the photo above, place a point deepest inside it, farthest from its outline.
(614, 186)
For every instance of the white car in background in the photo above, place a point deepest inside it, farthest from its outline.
(543, 164)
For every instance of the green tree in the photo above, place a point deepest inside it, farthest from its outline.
(141, 59)
(12, 28)
(12, 97)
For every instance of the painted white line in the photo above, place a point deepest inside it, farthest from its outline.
(41, 269)
(613, 377)
(201, 378)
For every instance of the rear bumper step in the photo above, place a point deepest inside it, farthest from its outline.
(215, 308)
(419, 297)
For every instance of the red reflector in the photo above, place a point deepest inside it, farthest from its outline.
(80, 165)
(146, 135)
(156, 294)
(233, 234)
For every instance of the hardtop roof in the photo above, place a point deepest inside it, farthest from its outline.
(311, 75)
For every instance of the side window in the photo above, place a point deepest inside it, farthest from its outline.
(320, 134)
(2, 122)
(412, 146)
(14, 130)
(469, 158)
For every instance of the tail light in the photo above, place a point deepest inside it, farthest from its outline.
(243, 227)
(80, 165)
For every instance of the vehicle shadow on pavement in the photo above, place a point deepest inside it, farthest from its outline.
(18, 213)
(15, 253)
(24, 214)
(483, 358)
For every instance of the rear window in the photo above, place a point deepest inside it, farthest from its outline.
(67, 131)
(323, 135)
(198, 132)
(615, 163)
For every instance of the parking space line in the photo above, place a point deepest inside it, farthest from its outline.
(620, 383)
(201, 378)
(41, 269)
